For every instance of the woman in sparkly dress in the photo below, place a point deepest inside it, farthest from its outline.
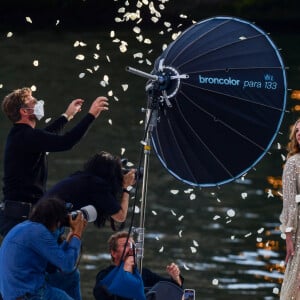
(290, 215)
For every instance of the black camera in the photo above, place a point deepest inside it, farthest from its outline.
(89, 213)
(125, 169)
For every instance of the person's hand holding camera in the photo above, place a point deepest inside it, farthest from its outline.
(129, 178)
(77, 225)
(129, 261)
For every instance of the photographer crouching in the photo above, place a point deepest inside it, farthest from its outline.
(29, 246)
(102, 183)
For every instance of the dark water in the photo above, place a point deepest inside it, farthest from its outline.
(225, 240)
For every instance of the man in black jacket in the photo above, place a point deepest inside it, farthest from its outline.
(103, 290)
(25, 153)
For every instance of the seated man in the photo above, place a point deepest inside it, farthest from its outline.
(120, 289)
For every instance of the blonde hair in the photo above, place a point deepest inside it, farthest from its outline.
(113, 241)
(293, 146)
(12, 103)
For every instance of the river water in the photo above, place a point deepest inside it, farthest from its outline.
(225, 240)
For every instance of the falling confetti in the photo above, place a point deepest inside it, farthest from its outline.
(180, 233)
(275, 290)
(81, 75)
(28, 19)
(47, 120)
(123, 151)
(192, 196)
(193, 249)
(173, 212)
(186, 267)
(110, 121)
(174, 192)
(270, 194)
(216, 217)
(230, 213)
(215, 281)
(154, 212)
(195, 243)
(180, 218)
(33, 88)
(248, 234)
(36, 63)
(57, 22)
(161, 249)
(124, 87)
(261, 230)
(9, 34)
(244, 195)
(136, 210)
(80, 57)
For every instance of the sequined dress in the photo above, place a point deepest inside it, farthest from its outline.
(289, 219)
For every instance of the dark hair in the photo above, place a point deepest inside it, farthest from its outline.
(108, 167)
(49, 212)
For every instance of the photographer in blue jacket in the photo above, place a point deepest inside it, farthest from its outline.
(31, 245)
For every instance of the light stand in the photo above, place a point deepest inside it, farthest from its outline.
(157, 95)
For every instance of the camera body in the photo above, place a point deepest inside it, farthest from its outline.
(89, 213)
(125, 169)
(188, 294)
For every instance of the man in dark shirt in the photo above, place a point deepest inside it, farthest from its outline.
(131, 288)
(25, 158)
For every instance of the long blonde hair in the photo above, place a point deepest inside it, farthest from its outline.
(293, 146)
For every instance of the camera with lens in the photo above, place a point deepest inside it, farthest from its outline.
(125, 169)
(89, 213)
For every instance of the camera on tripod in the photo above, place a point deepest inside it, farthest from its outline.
(89, 213)
(125, 169)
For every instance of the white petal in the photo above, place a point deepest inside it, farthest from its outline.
(28, 19)
(33, 88)
(173, 212)
(180, 233)
(110, 93)
(161, 249)
(110, 121)
(112, 34)
(124, 87)
(215, 281)
(180, 218)
(195, 243)
(192, 197)
(260, 230)
(230, 213)
(193, 249)
(80, 57)
(123, 151)
(81, 75)
(174, 192)
(36, 63)
(244, 195)
(154, 212)
(9, 34)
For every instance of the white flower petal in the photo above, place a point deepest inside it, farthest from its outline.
(28, 19)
